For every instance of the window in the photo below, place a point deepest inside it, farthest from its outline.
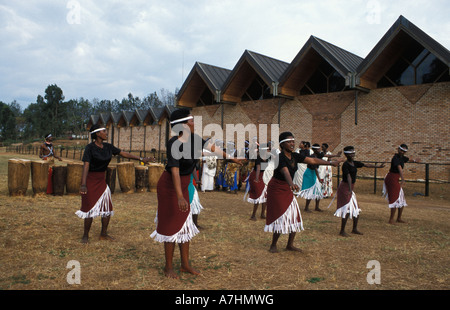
(206, 98)
(415, 66)
(324, 80)
(258, 90)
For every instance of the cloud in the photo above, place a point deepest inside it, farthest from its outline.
(107, 49)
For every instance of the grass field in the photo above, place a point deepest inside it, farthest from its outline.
(39, 236)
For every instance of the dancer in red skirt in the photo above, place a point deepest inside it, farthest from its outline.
(283, 212)
(174, 216)
(347, 206)
(258, 189)
(95, 193)
(392, 188)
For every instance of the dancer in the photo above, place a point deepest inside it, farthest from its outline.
(392, 188)
(95, 193)
(258, 189)
(174, 217)
(46, 153)
(209, 166)
(312, 184)
(347, 206)
(326, 173)
(304, 149)
(283, 212)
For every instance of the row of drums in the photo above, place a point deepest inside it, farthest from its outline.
(67, 178)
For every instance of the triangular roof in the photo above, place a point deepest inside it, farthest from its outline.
(307, 60)
(386, 51)
(251, 63)
(201, 76)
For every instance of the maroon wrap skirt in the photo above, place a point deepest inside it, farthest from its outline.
(170, 218)
(283, 212)
(97, 201)
(393, 191)
(343, 194)
(256, 188)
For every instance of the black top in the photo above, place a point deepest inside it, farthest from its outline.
(99, 158)
(184, 155)
(396, 161)
(320, 155)
(261, 162)
(349, 169)
(291, 164)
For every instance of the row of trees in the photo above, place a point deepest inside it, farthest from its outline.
(53, 114)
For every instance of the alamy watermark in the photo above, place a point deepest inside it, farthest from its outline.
(236, 140)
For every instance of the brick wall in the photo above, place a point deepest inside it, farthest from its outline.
(416, 115)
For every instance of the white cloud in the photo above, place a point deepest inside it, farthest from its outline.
(106, 49)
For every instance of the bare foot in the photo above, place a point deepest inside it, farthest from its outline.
(318, 210)
(273, 249)
(400, 221)
(357, 232)
(344, 234)
(106, 237)
(263, 216)
(170, 273)
(253, 218)
(293, 248)
(85, 240)
(189, 269)
(307, 210)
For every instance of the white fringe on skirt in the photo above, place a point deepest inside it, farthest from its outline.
(260, 199)
(101, 207)
(350, 208)
(400, 202)
(312, 193)
(287, 223)
(196, 206)
(187, 232)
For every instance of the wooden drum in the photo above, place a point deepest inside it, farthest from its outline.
(39, 177)
(141, 178)
(126, 174)
(111, 178)
(73, 177)
(18, 176)
(154, 173)
(59, 179)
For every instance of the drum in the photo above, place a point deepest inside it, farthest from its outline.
(18, 176)
(39, 177)
(126, 174)
(59, 179)
(141, 178)
(154, 173)
(73, 177)
(111, 178)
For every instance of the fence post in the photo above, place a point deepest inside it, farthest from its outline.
(375, 180)
(427, 180)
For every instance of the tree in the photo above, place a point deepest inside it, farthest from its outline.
(7, 123)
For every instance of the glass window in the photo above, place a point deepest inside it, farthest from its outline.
(257, 90)
(415, 66)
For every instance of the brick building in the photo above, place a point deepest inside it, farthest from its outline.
(399, 93)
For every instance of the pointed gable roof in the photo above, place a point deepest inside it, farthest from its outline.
(390, 47)
(307, 60)
(249, 65)
(202, 76)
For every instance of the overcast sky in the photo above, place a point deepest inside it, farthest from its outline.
(106, 49)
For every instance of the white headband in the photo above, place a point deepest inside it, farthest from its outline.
(290, 139)
(315, 147)
(404, 150)
(181, 120)
(97, 130)
(349, 152)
